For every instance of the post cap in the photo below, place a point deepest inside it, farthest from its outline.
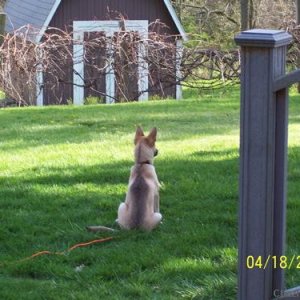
(266, 38)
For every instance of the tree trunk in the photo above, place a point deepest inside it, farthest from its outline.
(244, 14)
(298, 23)
(2, 26)
(251, 15)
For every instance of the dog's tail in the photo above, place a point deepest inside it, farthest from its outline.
(100, 228)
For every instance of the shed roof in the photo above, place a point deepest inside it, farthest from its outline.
(39, 13)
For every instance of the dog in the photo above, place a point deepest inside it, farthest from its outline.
(141, 207)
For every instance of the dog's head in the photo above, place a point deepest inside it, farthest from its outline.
(145, 149)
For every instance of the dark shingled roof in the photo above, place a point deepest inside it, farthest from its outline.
(33, 12)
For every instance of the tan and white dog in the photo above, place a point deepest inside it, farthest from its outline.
(141, 207)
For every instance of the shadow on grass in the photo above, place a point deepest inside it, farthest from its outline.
(203, 182)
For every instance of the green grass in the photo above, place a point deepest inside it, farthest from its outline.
(63, 168)
(293, 205)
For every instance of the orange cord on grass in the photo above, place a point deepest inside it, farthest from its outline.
(64, 252)
(89, 243)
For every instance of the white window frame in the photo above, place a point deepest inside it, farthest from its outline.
(179, 53)
(109, 28)
(39, 81)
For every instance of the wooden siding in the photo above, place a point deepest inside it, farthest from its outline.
(79, 10)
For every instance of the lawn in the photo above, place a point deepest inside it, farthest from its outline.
(63, 168)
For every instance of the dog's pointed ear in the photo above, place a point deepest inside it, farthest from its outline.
(152, 136)
(138, 134)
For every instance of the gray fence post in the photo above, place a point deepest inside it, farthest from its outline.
(262, 163)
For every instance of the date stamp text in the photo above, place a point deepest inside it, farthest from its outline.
(276, 262)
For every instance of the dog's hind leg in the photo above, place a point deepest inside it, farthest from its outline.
(156, 218)
(122, 215)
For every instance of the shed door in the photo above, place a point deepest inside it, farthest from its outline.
(94, 66)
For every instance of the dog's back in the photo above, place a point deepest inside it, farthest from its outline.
(141, 206)
(138, 191)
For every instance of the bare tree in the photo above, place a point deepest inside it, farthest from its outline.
(22, 59)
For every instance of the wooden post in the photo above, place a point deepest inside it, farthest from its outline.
(39, 80)
(262, 163)
(110, 72)
(78, 72)
(179, 52)
(143, 69)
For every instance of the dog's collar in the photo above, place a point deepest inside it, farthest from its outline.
(146, 162)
